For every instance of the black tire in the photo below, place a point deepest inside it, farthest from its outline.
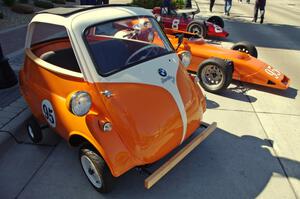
(215, 74)
(99, 168)
(245, 47)
(34, 130)
(216, 20)
(199, 28)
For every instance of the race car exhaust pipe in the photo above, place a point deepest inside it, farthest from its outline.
(173, 161)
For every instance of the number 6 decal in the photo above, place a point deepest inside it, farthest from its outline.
(273, 72)
(175, 24)
(48, 113)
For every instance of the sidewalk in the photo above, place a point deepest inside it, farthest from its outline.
(13, 108)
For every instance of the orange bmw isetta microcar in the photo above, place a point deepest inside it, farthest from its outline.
(107, 79)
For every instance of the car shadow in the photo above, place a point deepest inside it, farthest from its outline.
(239, 91)
(288, 93)
(211, 104)
(224, 166)
(236, 91)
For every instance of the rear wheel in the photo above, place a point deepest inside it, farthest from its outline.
(245, 47)
(198, 28)
(216, 20)
(95, 169)
(34, 130)
(215, 74)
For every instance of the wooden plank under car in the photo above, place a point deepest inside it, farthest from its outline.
(174, 160)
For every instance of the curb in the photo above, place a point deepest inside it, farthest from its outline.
(12, 127)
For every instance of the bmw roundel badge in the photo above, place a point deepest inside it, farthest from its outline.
(162, 72)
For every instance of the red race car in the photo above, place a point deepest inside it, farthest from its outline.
(185, 20)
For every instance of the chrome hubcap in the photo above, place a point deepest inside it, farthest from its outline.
(197, 30)
(212, 76)
(91, 171)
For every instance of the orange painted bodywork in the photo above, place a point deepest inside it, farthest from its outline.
(246, 68)
(146, 122)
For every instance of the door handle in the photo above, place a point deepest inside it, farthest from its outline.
(107, 93)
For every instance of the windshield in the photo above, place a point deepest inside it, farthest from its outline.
(117, 45)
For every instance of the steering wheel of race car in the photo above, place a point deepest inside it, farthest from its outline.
(129, 60)
(128, 34)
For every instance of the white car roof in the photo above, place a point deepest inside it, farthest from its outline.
(84, 16)
(76, 20)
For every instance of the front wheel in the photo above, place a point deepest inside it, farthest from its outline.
(216, 20)
(245, 47)
(215, 74)
(198, 28)
(95, 169)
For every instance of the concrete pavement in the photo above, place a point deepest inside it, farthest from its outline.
(13, 39)
(253, 153)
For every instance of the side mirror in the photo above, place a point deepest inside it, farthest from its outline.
(180, 40)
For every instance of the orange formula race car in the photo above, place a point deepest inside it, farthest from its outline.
(216, 66)
(112, 84)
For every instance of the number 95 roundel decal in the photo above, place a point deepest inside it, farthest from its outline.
(48, 113)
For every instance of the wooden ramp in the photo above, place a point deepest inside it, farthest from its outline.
(173, 161)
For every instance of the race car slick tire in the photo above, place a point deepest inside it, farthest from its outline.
(95, 169)
(215, 74)
(216, 20)
(34, 130)
(198, 28)
(245, 47)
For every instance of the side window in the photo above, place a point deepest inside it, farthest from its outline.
(51, 43)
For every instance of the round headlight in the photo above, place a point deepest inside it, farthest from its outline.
(185, 58)
(80, 103)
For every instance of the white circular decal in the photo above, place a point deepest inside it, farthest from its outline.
(48, 113)
(218, 29)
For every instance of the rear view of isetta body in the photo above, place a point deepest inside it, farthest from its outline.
(107, 79)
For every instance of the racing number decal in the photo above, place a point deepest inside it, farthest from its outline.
(48, 113)
(273, 72)
(175, 24)
(218, 29)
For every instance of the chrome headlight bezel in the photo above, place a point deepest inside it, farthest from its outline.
(80, 103)
(185, 58)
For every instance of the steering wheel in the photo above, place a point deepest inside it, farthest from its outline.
(128, 61)
(128, 34)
